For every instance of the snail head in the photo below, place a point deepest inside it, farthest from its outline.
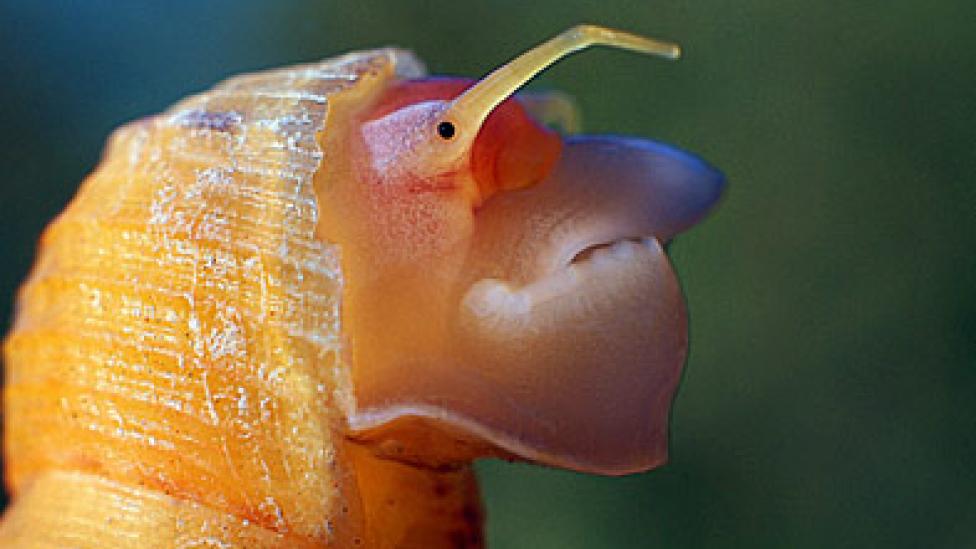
(507, 291)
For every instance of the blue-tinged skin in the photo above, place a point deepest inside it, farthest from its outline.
(675, 188)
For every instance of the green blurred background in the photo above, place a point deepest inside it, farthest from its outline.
(829, 396)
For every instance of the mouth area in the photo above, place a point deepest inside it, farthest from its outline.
(619, 249)
(594, 277)
(596, 342)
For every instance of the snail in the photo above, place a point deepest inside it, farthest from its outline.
(290, 311)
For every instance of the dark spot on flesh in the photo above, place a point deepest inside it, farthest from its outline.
(446, 130)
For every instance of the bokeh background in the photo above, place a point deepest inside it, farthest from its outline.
(829, 400)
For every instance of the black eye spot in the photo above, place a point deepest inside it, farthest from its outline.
(445, 130)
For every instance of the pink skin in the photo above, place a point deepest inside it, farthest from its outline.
(530, 312)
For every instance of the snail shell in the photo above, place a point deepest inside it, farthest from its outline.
(175, 376)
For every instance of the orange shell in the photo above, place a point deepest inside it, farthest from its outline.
(175, 375)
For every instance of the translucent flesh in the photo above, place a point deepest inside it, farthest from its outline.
(513, 346)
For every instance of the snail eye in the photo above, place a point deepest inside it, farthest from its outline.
(446, 130)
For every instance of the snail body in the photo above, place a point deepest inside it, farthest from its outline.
(225, 338)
